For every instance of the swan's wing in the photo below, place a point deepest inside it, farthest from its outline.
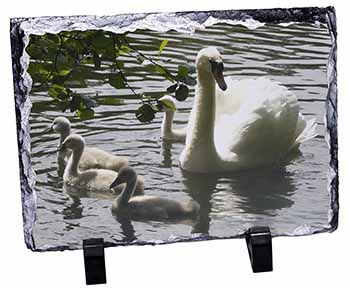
(305, 131)
(97, 153)
(264, 128)
(93, 158)
(241, 92)
(229, 101)
(96, 158)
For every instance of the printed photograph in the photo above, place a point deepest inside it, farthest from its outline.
(153, 137)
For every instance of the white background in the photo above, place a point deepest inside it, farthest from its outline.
(319, 261)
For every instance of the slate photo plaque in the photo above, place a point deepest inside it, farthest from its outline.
(166, 127)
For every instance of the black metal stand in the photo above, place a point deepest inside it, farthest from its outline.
(259, 243)
(94, 260)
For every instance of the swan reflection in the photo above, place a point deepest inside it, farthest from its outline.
(127, 229)
(167, 160)
(254, 192)
(73, 209)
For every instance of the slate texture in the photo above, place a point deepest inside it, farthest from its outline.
(21, 28)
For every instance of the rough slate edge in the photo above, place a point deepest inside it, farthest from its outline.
(22, 85)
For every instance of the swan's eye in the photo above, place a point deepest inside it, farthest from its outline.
(216, 66)
(213, 64)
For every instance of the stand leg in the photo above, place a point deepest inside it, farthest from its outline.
(259, 243)
(94, 260)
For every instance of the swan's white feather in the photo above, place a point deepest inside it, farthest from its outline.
(252, 123)
(168, 133)
(258, 123)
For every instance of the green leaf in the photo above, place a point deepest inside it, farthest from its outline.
(117, 80)
(124, 49)
(145, 113)
(74, 45)
(120, 64)
(79, 76)
(162, 45)
(182, 92)
(63, 105)
(191, 68)
(162, 71)
(183, 74)
(85, 113)
(58, 79)
(167, 103)
(148, 97)
(64, 72)
(100, 41)
(140, 59)
(75, 102)
(154, 108)
(172, 88)
(52, 37)
(189, 80)
(110, 100)
(81, 102)
(182, 71)
(88, 101)
(57, 91)
(96, 59)
(39, 72)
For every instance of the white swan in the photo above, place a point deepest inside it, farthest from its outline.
(148, 207)
(255, 123)
(97, 180)
(167, 131)
(92, 157)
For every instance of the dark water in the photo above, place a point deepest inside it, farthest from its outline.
(292, 201)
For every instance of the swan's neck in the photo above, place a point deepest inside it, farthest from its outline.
(200, 154)
(203, 120)
(167, 124)
(127, 193)
(62, 154)
(64, 134)
(73, 163)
